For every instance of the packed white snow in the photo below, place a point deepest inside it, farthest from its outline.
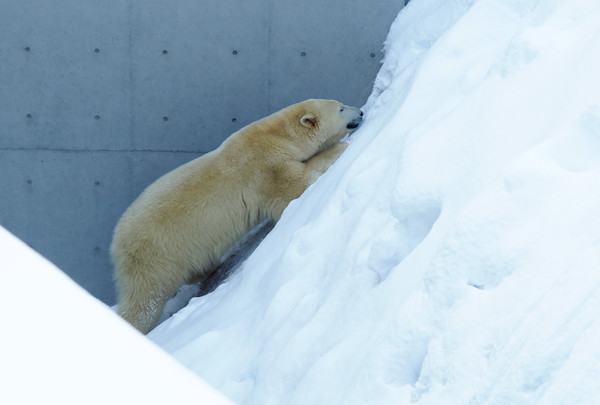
(59, 345)
(452, 254)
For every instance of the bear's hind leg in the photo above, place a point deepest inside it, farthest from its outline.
(141, 300)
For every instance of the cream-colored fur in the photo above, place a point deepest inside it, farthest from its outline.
(181, 225)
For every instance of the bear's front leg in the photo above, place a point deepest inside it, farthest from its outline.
(319, 163)
(293, 178)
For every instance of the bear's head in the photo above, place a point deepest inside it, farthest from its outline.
(325, 122)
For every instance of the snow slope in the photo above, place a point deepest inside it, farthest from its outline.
(452, 255)
(59, 345)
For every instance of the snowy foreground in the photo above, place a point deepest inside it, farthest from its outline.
(58, 345)
(452, 255)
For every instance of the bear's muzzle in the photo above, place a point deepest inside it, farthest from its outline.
(355, 122)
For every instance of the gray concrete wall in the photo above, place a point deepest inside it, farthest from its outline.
(99, 98)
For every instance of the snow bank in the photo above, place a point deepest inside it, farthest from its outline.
(59, 345)
(452, 255)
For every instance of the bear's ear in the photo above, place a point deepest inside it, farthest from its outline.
(309, 121)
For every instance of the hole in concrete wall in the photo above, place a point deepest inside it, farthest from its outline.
(97, 50)
(372, 55)
(235, 52)
(164, 52)
(96, 183)
(165, 118)
(29, 181)
(28, 116)
(234, 120)
(27, 49)
(302, 53)
(96, 117)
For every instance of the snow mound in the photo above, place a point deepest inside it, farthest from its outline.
(452, 254)
(59, 345)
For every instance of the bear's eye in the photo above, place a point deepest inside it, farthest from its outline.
(341, 108)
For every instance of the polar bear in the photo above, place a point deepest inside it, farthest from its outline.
(179, 228)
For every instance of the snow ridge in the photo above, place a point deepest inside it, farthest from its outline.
(452, 254)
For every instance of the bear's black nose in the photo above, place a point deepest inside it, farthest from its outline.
(355, 122)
